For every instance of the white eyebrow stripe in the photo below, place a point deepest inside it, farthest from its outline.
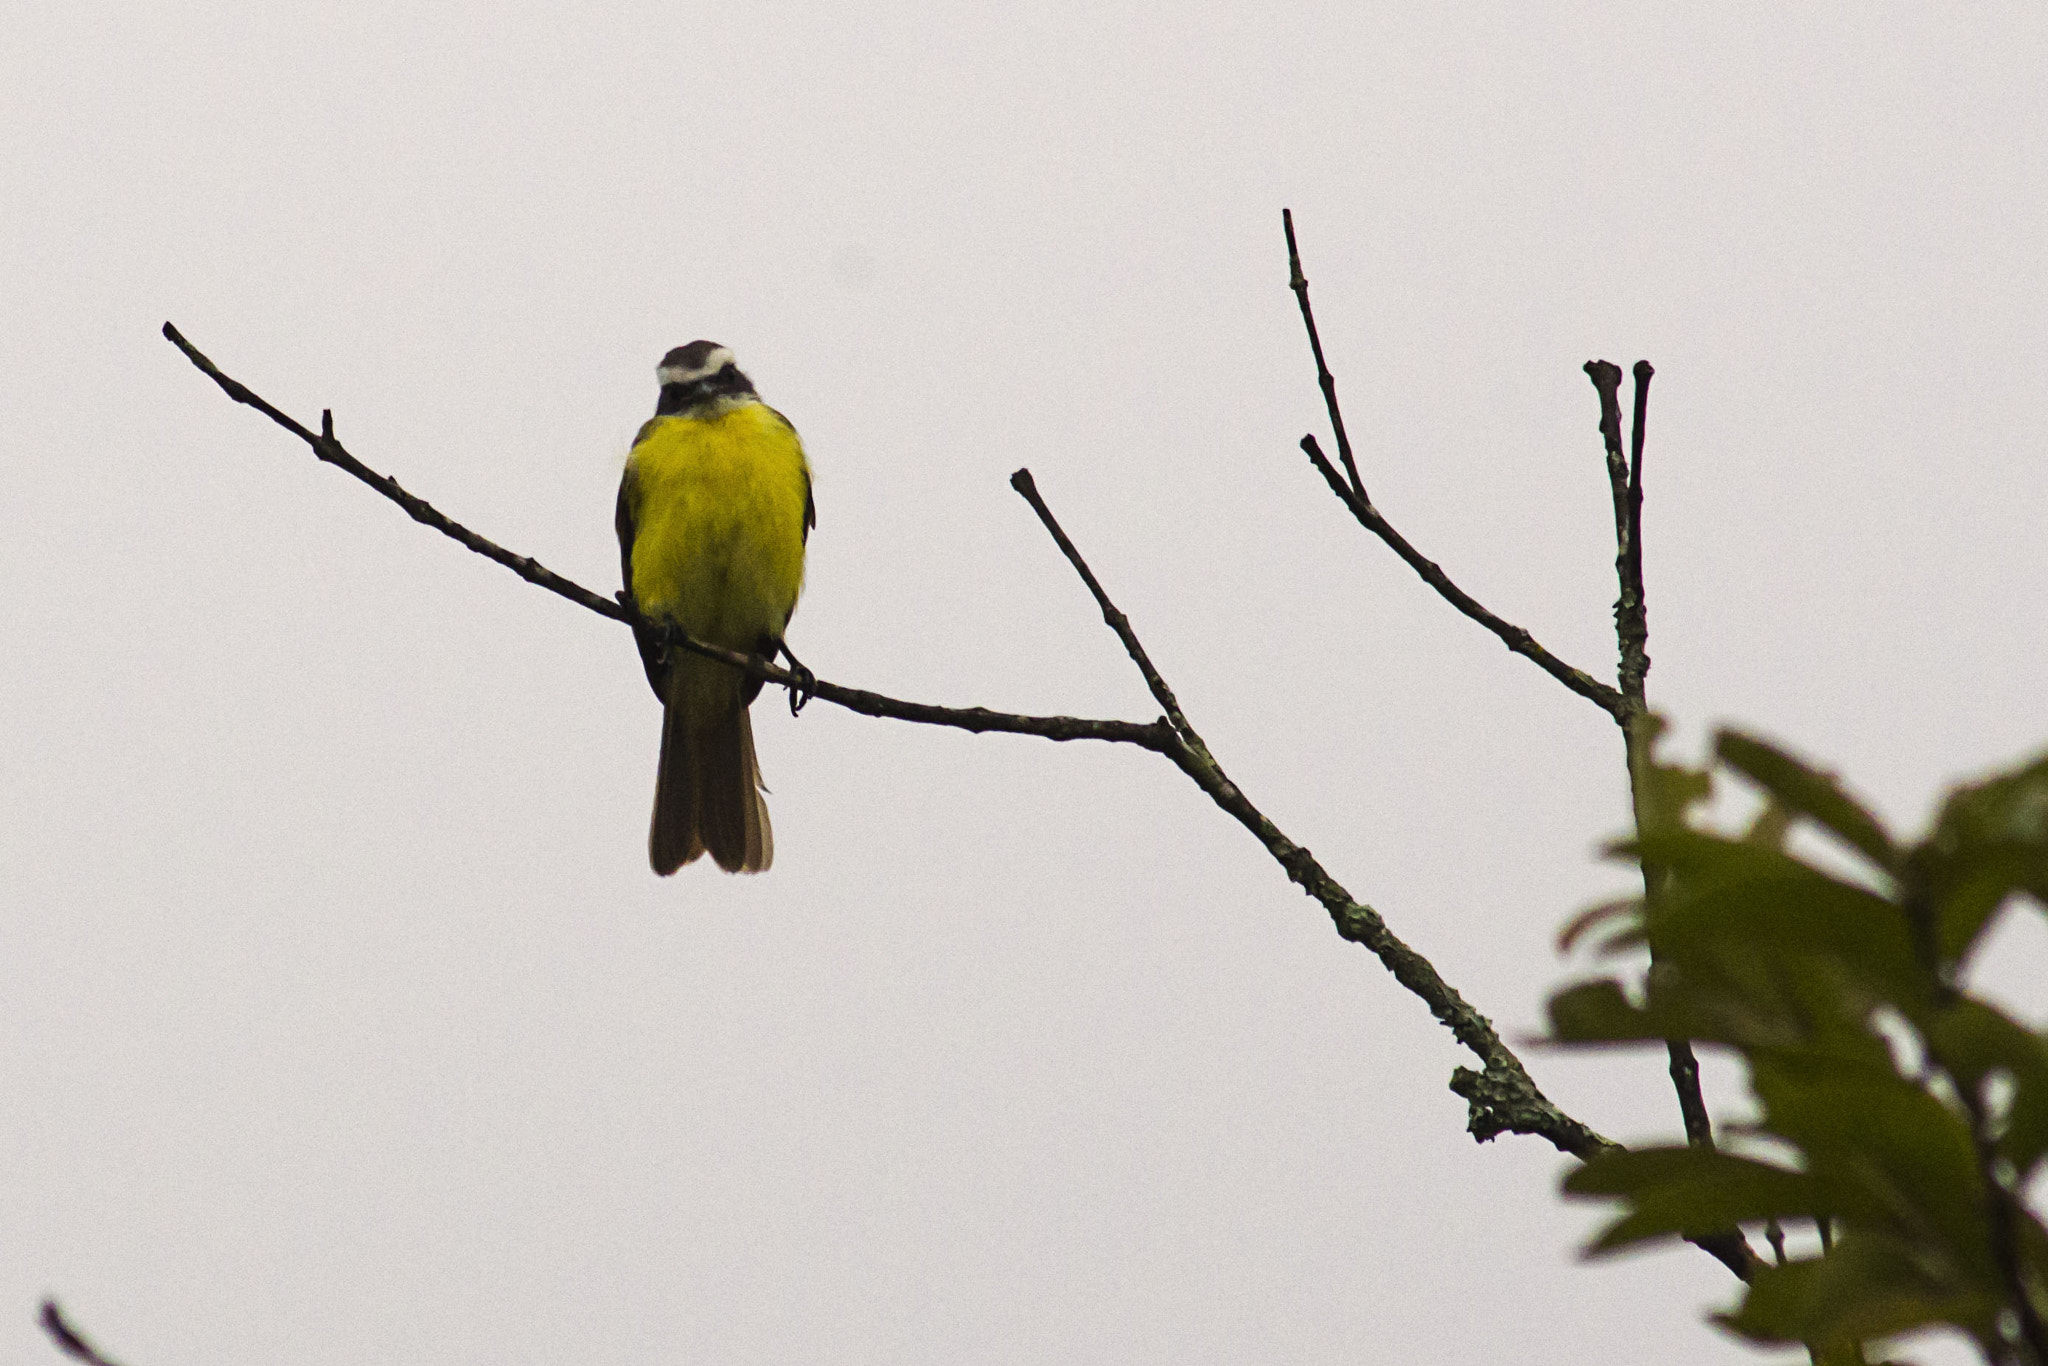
(714, 361)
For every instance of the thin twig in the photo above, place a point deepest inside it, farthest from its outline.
(1514, 637)
(1503, 1098)
(1692, 1103)
(327, 448)
(1643, 371)
(1114, 619)
(67, 1338)
(1298, 282)
(1639, 666)
(1632, 633)
(2006, 1213)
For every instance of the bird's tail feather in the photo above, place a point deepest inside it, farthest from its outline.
(732, 819)
(672, 840)
(707, 793)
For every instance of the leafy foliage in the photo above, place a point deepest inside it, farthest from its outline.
(1914, 1112)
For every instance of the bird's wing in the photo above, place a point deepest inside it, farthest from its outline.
(810, 502)
(650, 648)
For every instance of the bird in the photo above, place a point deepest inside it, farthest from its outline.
(714, 517)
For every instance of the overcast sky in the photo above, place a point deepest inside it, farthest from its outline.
(341, 1020)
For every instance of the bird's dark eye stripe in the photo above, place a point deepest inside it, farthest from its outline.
(727, 381)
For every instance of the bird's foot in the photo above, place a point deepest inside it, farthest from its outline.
(803, 685)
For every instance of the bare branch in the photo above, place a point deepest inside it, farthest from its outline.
(1514, 637)
(67, 1338)
(1503, 1098)
(1632, 636)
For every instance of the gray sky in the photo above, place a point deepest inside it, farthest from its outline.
(340, 1018)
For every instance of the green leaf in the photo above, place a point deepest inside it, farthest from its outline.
(1676, 1191)
(1973, 887)
(1599, 1012)
(1771, 826)
(1807, 791)
(1763, 1004)
(1734, 899)
(1870, 1286)
(1889, 1154)
(1990, 840)
(1798, 971)
(1974, 1041)
(1664, 793)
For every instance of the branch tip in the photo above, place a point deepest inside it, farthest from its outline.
(1111, 616)
(68, 1339)
(1325, 381)
(1643, 371)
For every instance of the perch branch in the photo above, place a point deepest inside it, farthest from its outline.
(1152, 735)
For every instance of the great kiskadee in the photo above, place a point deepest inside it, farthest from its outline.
(714, 513)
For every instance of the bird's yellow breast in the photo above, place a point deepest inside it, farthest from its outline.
(718, 514)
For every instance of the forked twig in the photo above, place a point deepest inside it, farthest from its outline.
(1625, 484)
(1632, 636)
(1326, 381)
(1350, 491)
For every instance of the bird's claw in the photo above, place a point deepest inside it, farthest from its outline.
(803, 684)
(802, 689)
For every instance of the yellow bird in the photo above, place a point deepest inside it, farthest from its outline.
(714, 514)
